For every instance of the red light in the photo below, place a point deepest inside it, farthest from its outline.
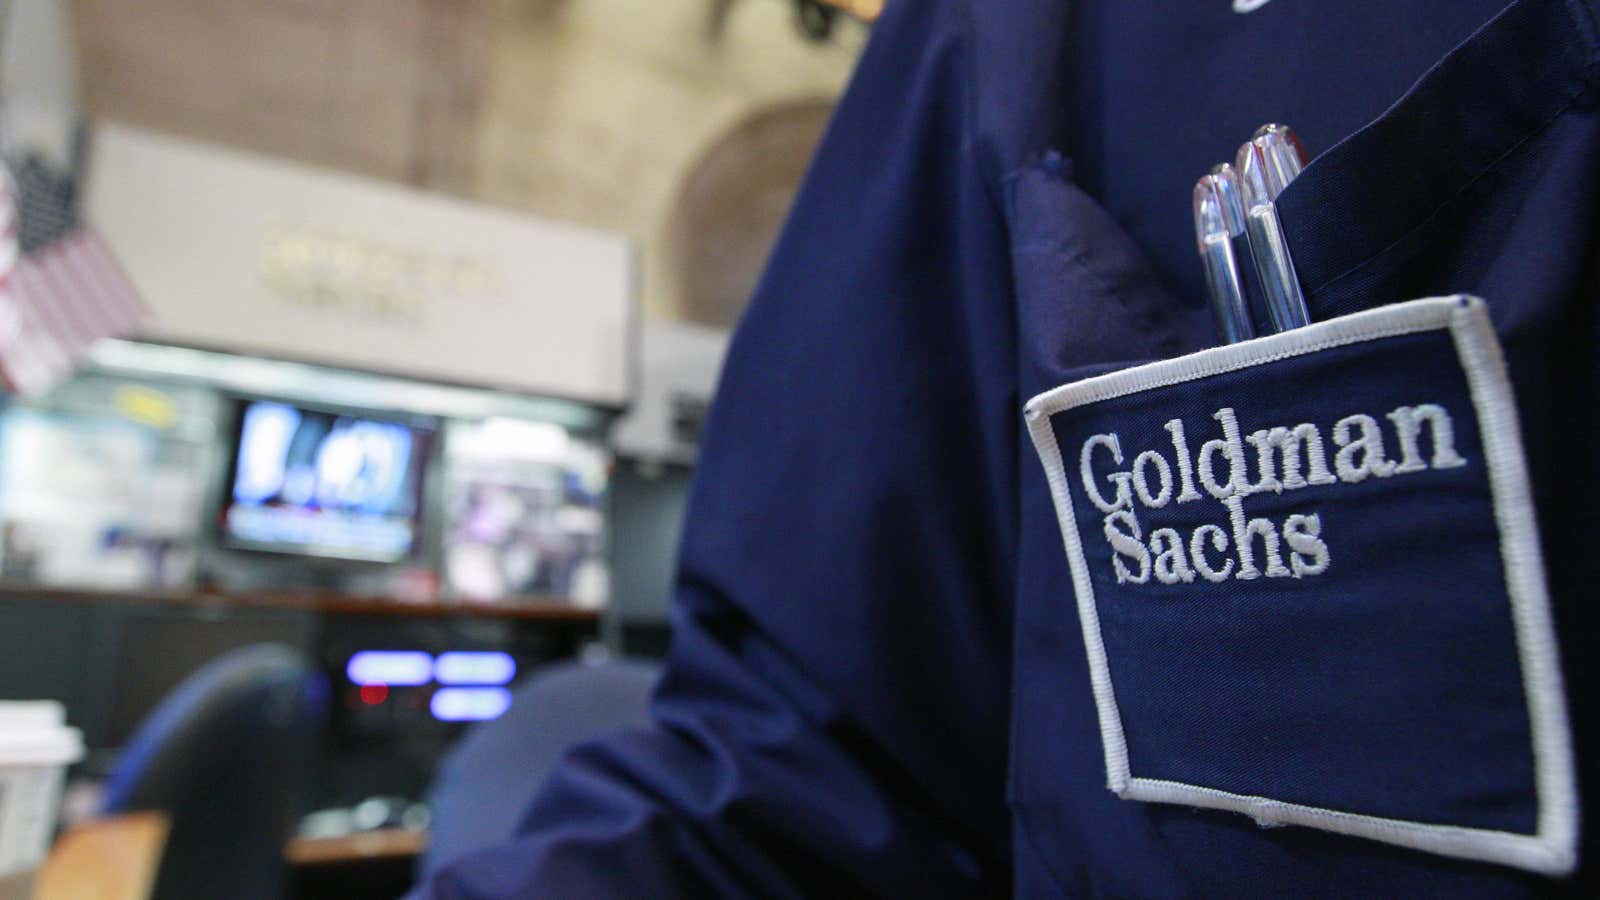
(373, 694)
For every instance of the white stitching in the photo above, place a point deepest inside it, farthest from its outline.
(1141, 485)
(1368, 325)
(1408, 426)
(1553, 848)
(1490, 386)
(1370, 444)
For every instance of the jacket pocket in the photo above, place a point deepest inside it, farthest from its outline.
(1309, 581)
(1088, 300)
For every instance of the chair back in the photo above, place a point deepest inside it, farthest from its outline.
(489, 778)
(225, 757)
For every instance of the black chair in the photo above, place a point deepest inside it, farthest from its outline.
(225, 756)
(486, 783)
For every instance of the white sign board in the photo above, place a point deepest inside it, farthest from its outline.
(242, 253)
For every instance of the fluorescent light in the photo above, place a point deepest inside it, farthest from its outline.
(502, 437)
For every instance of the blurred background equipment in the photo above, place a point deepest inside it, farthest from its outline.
(222, 758)
(383, 331)
(325, 484)
(527, 513)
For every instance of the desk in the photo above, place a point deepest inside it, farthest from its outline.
(327, 603)
(369, 864)
(113, 858)
(109, 656)
(386, 843)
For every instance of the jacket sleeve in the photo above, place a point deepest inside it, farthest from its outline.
(833, 719)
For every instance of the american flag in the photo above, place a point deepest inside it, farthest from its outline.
(60, 287)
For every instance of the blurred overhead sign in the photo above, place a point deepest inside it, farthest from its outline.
(242, 253)
(376, 279)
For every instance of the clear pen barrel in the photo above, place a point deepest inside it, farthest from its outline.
(1222, 280)
(1286, 306)
(1218, 221)
(1265, 165)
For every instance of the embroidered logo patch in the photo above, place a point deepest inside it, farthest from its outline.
(1309, 579)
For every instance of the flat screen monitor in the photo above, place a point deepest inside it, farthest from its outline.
(325, 484)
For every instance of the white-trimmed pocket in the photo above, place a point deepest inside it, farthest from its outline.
(1350, 629)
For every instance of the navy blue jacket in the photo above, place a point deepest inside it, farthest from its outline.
(879, 682)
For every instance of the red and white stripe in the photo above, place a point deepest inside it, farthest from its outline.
(10, 249)
(57, 301)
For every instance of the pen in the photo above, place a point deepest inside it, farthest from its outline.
(1266, 164)
(1218, 221)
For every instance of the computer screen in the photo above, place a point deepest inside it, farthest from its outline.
(325, 484)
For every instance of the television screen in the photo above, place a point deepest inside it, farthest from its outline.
(325, 484)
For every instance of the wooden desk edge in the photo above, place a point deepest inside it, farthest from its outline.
(387, 843)
(327, 602)
(112, 858)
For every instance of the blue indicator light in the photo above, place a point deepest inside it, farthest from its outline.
(396, 668)
(459, 667)
(469, 704)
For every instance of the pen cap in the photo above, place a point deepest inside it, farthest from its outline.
(1266, 163)
(1210, 216)
(1226, 183)
(1286, 154)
